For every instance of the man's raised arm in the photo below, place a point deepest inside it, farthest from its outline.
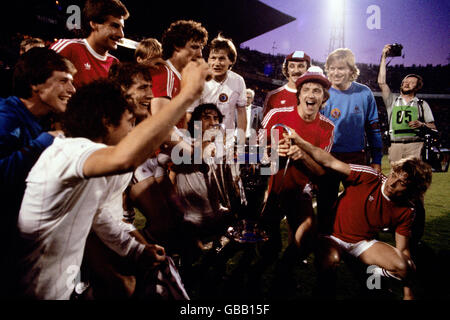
(143, 140)
(385, 90)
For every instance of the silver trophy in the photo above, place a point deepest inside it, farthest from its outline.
(247, 230)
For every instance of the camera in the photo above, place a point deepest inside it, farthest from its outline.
(395, 50)
(426, 132)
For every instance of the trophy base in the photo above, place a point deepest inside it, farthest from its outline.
(246, 231)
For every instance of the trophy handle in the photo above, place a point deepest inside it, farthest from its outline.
(288, 131)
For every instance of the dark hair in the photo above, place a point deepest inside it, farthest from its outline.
(123, 73)
(179, 33)
(419, 176)
(34, 67)
(197, 115)
(222, 43)
(92, 107)
(98, 10)
(284, 67)
(33, 42)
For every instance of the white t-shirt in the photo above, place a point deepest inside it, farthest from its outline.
(227, 96)
(59, 209)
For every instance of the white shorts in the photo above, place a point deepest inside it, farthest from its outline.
(354, 249)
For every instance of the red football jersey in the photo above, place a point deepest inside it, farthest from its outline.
(363, 210)
(166, 81)
(167, 84)
(280, 98)
(90, 65)
(318, 132)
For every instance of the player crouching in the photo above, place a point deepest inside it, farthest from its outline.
(371, 202)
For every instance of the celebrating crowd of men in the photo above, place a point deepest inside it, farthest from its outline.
(85, 140)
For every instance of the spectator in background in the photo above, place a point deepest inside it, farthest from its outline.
(254, 115)
(104, 21)
(42, 84)
(293, 67)
(29, 43)
(353, 111)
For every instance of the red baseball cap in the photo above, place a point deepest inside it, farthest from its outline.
(314, 74)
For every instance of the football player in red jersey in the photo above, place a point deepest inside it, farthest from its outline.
(182, 42)
(294, 185)
(371, 203)
(104, 21)
(293, 67)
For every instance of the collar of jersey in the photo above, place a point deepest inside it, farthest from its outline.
(171, 66)
(382, 191)
(92, 51)
(290, 89)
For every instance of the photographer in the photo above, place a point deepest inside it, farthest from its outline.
(407, 114)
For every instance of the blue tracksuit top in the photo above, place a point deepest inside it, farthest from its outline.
(22, 140)
(355, 116)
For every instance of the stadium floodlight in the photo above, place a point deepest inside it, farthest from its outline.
(337, 8)
(337, 37)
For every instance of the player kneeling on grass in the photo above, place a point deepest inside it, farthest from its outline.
(371, 202)
(70, 189)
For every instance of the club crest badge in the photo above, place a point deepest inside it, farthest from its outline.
(335, 113)
(223, 97)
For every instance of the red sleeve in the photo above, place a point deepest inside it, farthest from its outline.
(267, 123)
(359, 174)
(267, 103)
(161, 82)
(327, 141)
(405, 222)
(63, 47)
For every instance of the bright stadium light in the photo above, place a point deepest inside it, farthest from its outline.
(337, 8)
(337, 12)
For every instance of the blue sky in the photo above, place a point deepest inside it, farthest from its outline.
(421, 26)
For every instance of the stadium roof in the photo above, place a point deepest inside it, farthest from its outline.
(240, 20)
